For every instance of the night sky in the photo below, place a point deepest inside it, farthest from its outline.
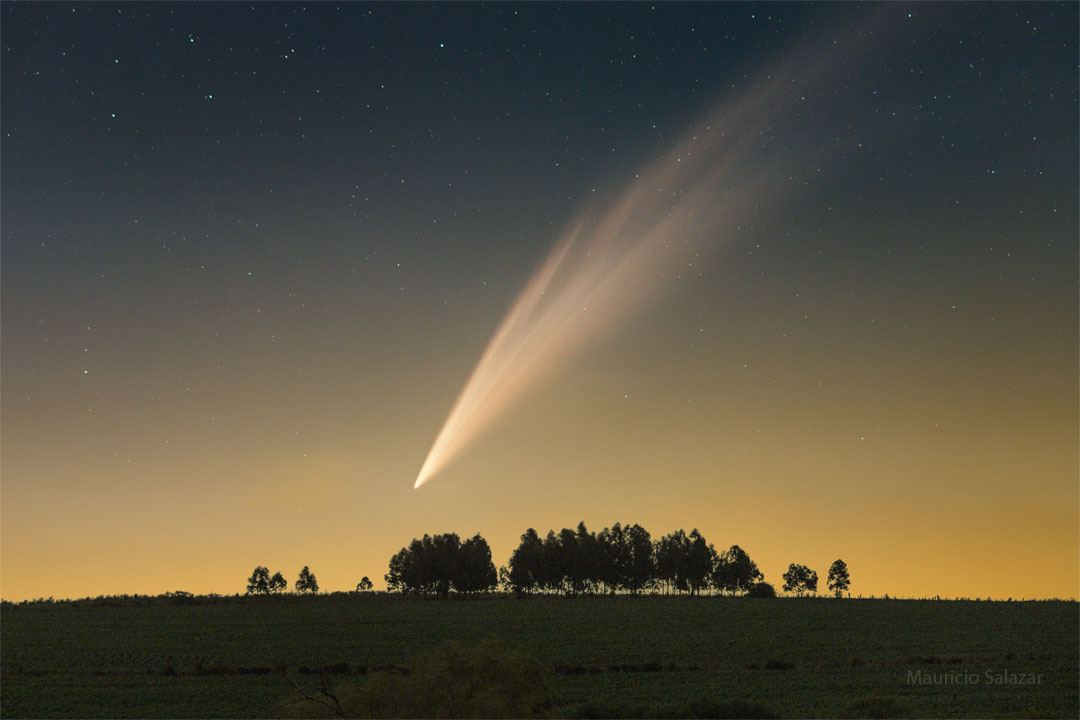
(252, 253)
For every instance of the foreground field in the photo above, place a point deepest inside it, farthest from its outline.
(620, 656)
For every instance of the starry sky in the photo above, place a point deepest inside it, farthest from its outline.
(252, 253)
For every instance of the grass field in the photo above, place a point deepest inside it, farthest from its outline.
(649, 656)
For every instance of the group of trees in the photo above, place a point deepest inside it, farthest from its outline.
(622, 558)
(262, 583)
(800, 579)
(626, 559)
(574, 562)
(435, 564)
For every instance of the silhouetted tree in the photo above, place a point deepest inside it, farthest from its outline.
(578, 561)
(613, 549)
(259, 582)
(839, 578)
(278, 583)
(364, 585)
(735, 571)
(589, 560)
(412, 569)
(393, 579)
(473, 569)
(306, 582)
(800, 579)
(700, 561)
(525, 572)
(553, 570)
(568, 562)
(672, 561)
(642, 560)
(444, 555)
(437, 564)
(504, 580)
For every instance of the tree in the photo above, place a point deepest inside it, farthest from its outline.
(735, 571)
(568, 562)
(642, 561)
(525, 571)
(259, 582)
(613, 546)
(672, 561)
(306, 582)
(436, 564)
(700, 562)
(588, 559)
(473, 570)
(364, 585)
(553, 570)
(800, 579)
(443, 555)
(395, 576)
(278, 583)
(504, 580)
(839, 578)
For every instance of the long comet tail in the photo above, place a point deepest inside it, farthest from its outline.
(606, 264)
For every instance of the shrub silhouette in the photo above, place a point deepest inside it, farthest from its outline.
(761, 590)
(455, 681)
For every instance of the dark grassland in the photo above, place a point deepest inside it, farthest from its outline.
(621, 656)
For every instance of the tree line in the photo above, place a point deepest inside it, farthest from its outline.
(262, 583)
(619, 559)
(435, 564)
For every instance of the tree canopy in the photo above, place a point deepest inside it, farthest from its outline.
(259, 582)
(839, 578)
(436, 564)
(800, 579)
(306, 582)
(624, 558)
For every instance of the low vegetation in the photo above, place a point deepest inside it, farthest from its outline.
(651, 656)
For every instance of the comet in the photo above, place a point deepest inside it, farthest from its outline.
(674, 213)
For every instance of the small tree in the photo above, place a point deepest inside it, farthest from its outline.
(800, 579)
(278, 583)
(364, 585)
(735, 571)
(839, 578)
(259, 582)
(505, 584)
(306, 582)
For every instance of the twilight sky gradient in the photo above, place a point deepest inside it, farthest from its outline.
(252, 254)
